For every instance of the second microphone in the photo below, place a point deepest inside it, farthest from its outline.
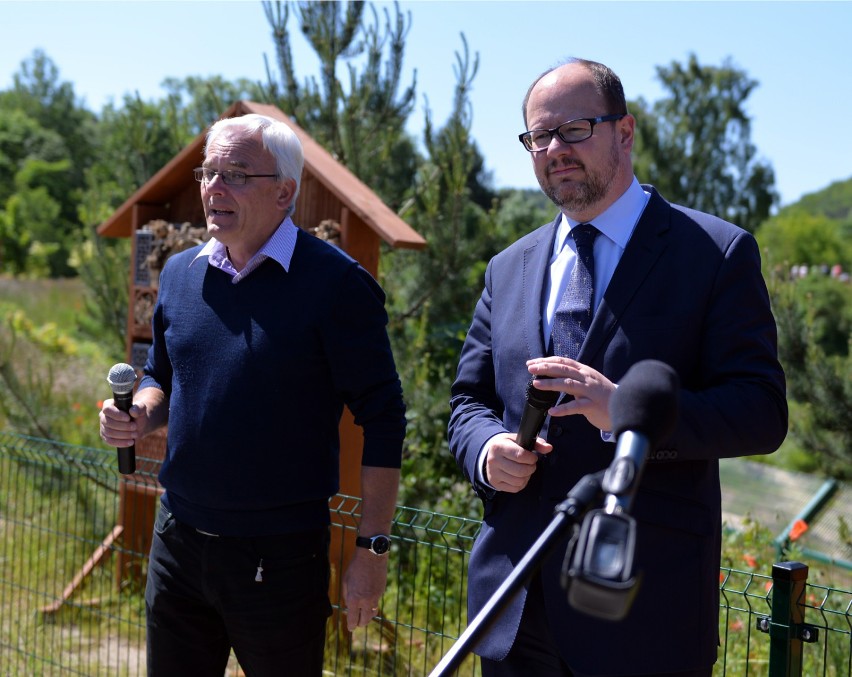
(535, 411)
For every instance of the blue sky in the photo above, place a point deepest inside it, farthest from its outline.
(799, 52)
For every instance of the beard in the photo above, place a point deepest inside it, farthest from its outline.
(579, 197)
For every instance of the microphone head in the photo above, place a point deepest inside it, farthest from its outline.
(646, 401)
(541, 399)
(121, 378)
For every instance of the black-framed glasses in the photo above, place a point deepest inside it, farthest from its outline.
(572, 131)
(231, 177)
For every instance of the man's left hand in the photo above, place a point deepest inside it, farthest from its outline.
(363, 586)
(590, 388)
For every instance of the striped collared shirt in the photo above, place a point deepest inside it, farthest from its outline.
(278, 247)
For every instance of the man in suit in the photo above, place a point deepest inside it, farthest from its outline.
(669, 284)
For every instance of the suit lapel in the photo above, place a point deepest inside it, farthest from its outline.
(643, 250)
(536, 264)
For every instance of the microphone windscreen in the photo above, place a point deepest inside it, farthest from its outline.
(646, 401)
(541, 399)
(121, 378)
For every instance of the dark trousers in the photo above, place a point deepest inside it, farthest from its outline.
(535, 652)
(203, 598)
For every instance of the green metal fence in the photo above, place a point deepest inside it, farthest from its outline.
(73, 535)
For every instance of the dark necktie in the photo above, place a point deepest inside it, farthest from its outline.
(574, 314)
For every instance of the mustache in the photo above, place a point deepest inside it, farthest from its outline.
(563, 163)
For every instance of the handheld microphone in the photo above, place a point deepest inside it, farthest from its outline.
(535, 411)
(598, 569)
(121, 379)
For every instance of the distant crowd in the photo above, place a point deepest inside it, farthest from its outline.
(836, 271)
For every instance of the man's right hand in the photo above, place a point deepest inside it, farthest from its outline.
(508, 467)
(119, 428)
(123, 429)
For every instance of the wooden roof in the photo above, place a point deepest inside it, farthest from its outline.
(331, 174)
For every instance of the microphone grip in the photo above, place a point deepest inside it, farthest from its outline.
(531, 422)
(126, 455)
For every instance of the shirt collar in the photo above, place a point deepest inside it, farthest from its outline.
(617, 222)
(279, 247)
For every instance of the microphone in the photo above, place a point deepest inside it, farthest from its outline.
(597, 572)
(121, 379)
(535, 411)
(644, 412)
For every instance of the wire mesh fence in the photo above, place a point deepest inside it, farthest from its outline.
(73, 543)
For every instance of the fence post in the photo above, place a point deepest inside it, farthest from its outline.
(787, 628)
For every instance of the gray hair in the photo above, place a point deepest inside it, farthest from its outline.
(277, 138)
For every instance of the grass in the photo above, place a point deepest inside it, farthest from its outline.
(52, 377)
(45, 301)
(51, 521)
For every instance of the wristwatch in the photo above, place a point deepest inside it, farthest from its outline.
(378, 544)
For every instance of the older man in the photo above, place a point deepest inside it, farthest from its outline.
(259, 339)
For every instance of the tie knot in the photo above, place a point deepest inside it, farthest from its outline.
(584, 234)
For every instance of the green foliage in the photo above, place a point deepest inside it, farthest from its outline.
(21, 139)
(695, 144)
(35, 196)
(193, 103)
(103, 267)
(807, 256)
(361, 125)
(432, 293)
(518, 212)
(814, 317)
(797, 237)
(135, 141)
(49, 377)
(41, 96)
(28, 213)
(834, 202)
(46, 141)
(35, 234)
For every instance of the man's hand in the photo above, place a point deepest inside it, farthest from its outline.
(123, 429)
(363, 586)
(508, 467)
(119, 428)
(367, 574)
(591, 389)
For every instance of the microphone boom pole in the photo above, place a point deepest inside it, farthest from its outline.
(566, 514)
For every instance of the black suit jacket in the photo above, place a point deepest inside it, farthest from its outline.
(688, 291)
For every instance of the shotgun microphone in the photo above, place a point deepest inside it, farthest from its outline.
(598, 571)
(644, 411)
(535, 411)
(121, 379)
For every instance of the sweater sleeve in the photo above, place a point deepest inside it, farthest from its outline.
(157, 372)
(358, 348)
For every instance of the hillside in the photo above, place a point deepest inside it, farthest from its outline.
(835, 201)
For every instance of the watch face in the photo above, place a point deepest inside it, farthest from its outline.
(381, 544)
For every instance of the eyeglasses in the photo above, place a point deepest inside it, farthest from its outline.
(231, 177)
(572, 131)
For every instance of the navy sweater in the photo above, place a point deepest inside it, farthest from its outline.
(257, 374)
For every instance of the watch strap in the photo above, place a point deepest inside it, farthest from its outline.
(370, 543)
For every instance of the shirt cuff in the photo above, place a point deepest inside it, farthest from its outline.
(480, 464)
